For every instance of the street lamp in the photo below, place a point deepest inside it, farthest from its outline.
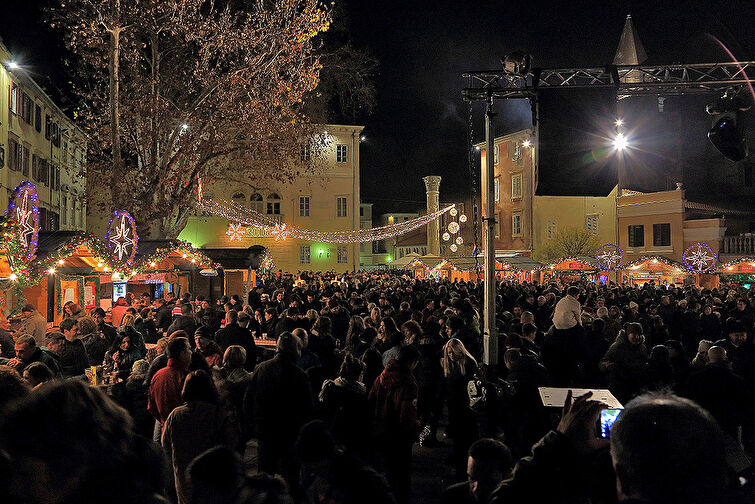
(619, 122)
(620, 142)
(13, 65)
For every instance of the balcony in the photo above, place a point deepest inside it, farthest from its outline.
(740, 245)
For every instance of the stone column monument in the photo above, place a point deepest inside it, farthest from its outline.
(432, 185)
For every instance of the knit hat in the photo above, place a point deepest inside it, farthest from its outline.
(203, 332)
(140, 367)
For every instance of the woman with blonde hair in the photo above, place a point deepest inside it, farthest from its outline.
(458, 368)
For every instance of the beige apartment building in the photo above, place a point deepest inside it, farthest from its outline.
(327, 200)
(39, 144)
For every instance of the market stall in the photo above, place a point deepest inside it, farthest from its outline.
(740, 271)
(418, 268)
(570, 269)
(657, 269)
(518, 268)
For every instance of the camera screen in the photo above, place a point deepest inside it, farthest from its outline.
(607, 418)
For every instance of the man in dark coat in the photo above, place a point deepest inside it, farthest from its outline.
(289, 322)
(185, 322)
(277, 403)
(108, 331)
(27, 352)
(717, 389)
(6, 339)
(73, 356)
(234, 334)
(625, 363)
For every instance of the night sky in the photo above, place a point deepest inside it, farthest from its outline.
(420, 124)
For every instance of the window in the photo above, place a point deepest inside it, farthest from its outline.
(238, 197)
(65, 210)
(256, 202)
(636, 236)
(38, 118)
(495, 154)
(48, 127)
(497, 190)
(343, 255)
(15, 155)
(341, 206)
(342, 153)
(306, 153)
(27, 108)
(25, 161)
(304, 254)
(591, 223)
(552, 229)
(273, 204)
(662, 235)
(516, 224)
(56, 181)
(303, 206)
(516, 186)
(13, 101)
(65, 152)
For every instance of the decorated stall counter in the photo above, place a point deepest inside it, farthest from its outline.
(418, 268)
(517, 268)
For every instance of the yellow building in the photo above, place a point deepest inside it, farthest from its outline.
(325, 201)
(666, 224)
(526, 221)
(39, 144)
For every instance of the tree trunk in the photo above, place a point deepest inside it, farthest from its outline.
(115, 114)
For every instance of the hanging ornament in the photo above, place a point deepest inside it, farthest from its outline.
(446, 236)
(235, 231)
(453, 247)
(609, 256)
(462, 218)
(699, 258)
(24, 213)
(453, 212)
(459, 240)
(121, 237)
(453, 227)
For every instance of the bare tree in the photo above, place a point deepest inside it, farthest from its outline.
(568, 242)
(175, 90)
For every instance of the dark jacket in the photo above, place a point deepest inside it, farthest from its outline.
(184, 323)
(7, 345)
(234, 334)
(96, 345)
(626, 366)
(135, 399)
(45, 358)
(109, 332)
(74, 359)
(348, 414)
(717, 389)
(278, 400)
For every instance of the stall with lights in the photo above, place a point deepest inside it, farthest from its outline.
(443, 269)
(658, 269)
(517, 268)
(569, 269)
(418, 268)
(739, 271)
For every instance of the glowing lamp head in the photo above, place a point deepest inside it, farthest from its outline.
(13, 276)
(619, 122)
(184, 126)
(13, 65)
(51, 271)
(526, 143)
(362, 138)
(388, 259)
(319, 251)
(620, 142)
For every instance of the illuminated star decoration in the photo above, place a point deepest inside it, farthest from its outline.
(699, 258)
(609, 256)
(121, 240)
(235, 231)
(25, 218)
(280, 232)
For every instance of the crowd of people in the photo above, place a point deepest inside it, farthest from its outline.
(317, 387)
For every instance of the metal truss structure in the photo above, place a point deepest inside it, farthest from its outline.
(664, 80)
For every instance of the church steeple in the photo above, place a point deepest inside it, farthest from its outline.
(630, 50)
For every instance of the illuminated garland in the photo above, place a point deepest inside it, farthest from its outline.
(700, 258)
(267, 262)
(658, 259)
(241, 215)
(580, 259)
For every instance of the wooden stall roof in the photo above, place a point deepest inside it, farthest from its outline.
(655, 263)
(417, 263)
(444, 264)
(521, 263)
(576, 263)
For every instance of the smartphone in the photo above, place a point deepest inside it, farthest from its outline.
(607, 418)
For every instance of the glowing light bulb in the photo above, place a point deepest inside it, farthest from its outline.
(619, 122)
(99, 265)
(13, 276)
(620, 142)
(51, 271)
(152, 264)
(61, 262)
(13, 65)
(526, 143)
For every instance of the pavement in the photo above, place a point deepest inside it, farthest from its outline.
(430, 472)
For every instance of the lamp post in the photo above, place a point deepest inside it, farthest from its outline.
(490, 336)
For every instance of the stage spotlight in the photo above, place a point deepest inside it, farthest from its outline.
(517, 62)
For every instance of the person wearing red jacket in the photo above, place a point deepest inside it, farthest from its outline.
(165, 387)
(393, 399)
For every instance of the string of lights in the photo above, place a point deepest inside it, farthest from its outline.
(238, 214)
